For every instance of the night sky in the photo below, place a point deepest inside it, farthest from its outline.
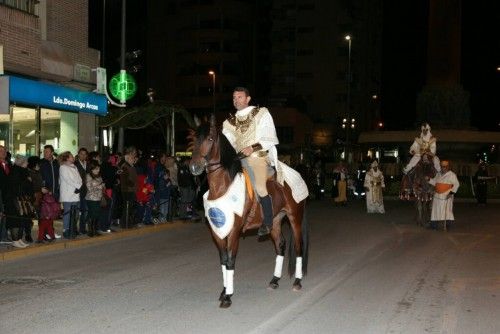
(404, 61)
(480, 59)
(403, 55)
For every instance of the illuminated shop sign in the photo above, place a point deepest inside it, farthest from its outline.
(53, 96)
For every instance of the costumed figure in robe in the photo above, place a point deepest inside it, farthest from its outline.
(425, 144)
(445, 186)
(252, 133)
(374, 184)
(340, 175)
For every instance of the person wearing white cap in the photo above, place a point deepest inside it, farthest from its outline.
(423, 145)
(445, 187)
(374, 184)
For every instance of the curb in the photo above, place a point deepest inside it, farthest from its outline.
(35, 249)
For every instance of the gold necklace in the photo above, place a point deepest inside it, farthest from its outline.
(244, 124)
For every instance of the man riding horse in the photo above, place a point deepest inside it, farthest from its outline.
(423, 166)
(251, 132)
(423, 145)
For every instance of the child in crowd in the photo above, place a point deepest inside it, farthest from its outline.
(94, 196)
(144, 196)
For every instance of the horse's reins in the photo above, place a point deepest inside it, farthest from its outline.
(240, 156)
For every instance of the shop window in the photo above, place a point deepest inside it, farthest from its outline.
(59, 129)
(24, 132)
(50, 128)
(4, 130)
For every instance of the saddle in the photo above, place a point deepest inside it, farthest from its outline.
(415, 183)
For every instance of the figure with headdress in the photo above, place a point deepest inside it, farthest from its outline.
(374, 184)
(425, 145)
(340, 176)
(445, 187)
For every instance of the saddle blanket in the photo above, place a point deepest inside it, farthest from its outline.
(220, 212)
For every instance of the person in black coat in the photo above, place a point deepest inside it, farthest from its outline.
(23, 191)
(49, 169)
(81, 162)
(8, 190)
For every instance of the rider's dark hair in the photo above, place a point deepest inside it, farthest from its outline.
(242, 89)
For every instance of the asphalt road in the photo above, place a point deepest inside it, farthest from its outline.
(367, 274)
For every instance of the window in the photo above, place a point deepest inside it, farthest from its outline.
(28, 6)
(50, 128)
(24, 131)
(4, 130)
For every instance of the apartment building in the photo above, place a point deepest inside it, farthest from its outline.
(47, 81)
(310, 63)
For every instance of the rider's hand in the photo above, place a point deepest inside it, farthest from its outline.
(247, 151)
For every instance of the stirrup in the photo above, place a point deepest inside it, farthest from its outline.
(263, 230)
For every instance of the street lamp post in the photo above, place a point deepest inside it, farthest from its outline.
(212, 73)
(346, 154)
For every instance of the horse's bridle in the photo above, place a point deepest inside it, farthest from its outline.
(210, 164)
(217, 163)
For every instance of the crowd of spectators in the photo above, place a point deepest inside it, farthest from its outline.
(91, 194)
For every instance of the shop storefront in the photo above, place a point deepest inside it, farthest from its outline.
(34, 114)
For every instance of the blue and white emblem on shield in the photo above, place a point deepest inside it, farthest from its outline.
(217, 217)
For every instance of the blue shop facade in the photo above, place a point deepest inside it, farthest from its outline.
(36, 113)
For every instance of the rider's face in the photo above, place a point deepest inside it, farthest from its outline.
(240, 100)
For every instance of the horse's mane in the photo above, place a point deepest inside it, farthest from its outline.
(228, 157)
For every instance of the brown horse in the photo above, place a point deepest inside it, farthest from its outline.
(415, 186)
(213, 153)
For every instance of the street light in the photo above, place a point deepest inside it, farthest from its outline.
(348, 39)
(212, 73)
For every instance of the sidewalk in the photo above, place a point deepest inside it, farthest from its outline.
(8, 252)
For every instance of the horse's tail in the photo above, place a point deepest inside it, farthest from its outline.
(292, 255)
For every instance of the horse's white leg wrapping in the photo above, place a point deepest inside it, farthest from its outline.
(298, 267)
(229, 287)
(224, 275)
(278, 267)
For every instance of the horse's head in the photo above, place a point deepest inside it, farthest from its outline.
(205, 147)
(212, 150)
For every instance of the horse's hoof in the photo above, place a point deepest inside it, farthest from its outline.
(222, 294)
(225, 302)
(273, 285)
(297, 286)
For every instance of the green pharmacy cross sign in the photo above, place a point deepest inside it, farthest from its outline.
(123, 86)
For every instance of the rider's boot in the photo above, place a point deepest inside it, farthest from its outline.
(267, 221)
